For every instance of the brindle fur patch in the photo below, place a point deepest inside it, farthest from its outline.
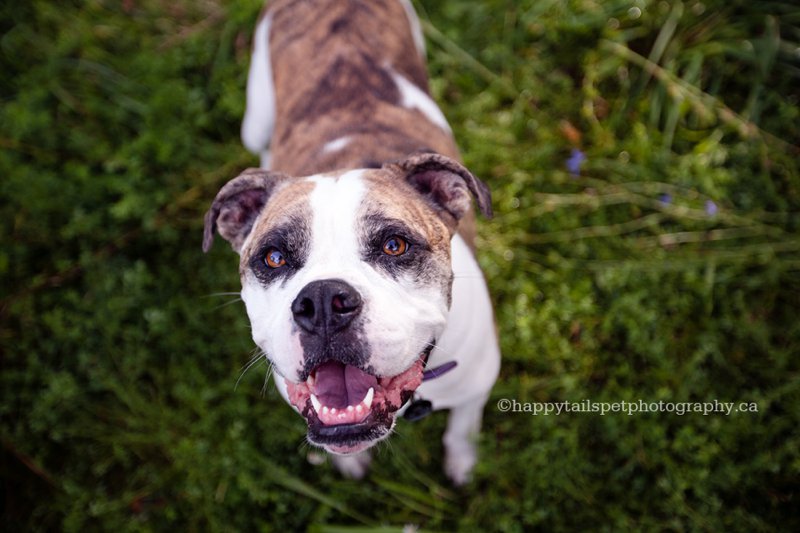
(331, 62)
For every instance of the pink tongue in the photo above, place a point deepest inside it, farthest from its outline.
(339, 385)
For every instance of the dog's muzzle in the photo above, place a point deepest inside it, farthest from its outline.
(347, 408)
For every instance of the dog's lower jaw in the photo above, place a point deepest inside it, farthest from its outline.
(370, 436)
(356, 448)
(349, 439)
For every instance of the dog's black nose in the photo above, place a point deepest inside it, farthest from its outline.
(326, 306)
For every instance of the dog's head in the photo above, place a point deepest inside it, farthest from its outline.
(347, 279)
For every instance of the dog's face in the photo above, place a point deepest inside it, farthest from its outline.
(346, 278)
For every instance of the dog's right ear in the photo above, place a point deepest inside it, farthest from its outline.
(237, 206)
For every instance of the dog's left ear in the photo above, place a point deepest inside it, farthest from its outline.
(446, 185)
(237, 206)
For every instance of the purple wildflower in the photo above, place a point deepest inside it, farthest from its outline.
(576, 159)
(711, 208)
(665, 199)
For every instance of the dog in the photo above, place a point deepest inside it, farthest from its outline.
(355, 235)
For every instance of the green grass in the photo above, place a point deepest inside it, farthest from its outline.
(668, 269)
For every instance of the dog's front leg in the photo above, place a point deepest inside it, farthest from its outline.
(463, 426)
(353, 466)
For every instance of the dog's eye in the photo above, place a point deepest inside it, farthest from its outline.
(395, 246)
(274, 258)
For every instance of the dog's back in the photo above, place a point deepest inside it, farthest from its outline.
(352, 92)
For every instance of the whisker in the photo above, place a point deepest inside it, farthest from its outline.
(436, 346)
(213, 294)
(226, 304)
(254, 359)
(270, 370)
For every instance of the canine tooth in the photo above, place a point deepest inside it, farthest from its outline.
(316, 403)
(367, 401)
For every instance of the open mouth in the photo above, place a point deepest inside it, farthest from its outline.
(348, 409)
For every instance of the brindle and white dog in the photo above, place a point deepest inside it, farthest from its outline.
(356, 263)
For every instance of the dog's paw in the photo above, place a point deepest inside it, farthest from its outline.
(353, 466)
(459, 462)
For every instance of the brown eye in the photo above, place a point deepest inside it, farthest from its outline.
(395, 246)
(274, 258)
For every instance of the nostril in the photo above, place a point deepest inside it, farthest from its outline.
(344, 303)
(305, 308)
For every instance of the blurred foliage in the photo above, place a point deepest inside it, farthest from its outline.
(643, 157)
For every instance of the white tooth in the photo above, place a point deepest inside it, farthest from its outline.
(368, 398)
(359, 408)
(325, 410)
(310, 381)
(349, 408)
(333, 410)
(316, 403)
